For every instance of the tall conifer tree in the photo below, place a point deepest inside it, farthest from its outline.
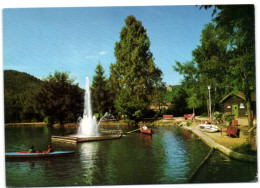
(134, 72)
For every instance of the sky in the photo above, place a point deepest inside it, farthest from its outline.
(40, 41)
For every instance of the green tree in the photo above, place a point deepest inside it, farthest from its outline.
(59, 99)
(158, 95)
(196, 97)
(19, 97)
(99, 91)
(134, 73)
(211, 58)
(238, 22)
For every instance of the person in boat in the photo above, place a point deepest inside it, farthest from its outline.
(144, 128)
(31, 150)
(49, 149)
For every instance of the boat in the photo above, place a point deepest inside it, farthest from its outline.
(146, 130)
(208, 128)
(25, 154)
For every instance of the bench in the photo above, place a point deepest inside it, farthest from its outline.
(232, 130)
(187, 116)
(167, 116)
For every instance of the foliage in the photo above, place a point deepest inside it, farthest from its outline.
(99, 91)
(48, 120)
(19, 100)
(59, 98)
(217, 116)
(225, 59)
(134, 76)
(228, 118)
(238, 24)
(195, 92)
(178, 101)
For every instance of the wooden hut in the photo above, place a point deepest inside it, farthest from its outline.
(235, 103)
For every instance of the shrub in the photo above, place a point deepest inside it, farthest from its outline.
(217, 116)
(48, 121)
(228, 118)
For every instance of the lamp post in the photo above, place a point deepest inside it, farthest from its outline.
(209, 105)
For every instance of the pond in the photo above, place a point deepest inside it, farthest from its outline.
(167, 157)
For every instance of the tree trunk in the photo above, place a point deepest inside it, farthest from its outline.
(250, 121)
(249, 115)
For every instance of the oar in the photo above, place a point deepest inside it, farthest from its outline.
(132, 131)
(157, 130)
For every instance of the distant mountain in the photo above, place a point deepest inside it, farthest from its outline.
(19, 89)
(17, 82)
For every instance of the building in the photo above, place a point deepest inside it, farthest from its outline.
(235, 103)
(157, 107)
(169, 88)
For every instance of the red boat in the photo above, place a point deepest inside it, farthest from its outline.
(146, 130)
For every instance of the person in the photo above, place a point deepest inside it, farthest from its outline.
(49, 149)
(144, 128)
(31, 150)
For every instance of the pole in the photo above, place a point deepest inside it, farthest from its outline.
(209, 104)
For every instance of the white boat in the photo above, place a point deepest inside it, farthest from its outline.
(208, 128)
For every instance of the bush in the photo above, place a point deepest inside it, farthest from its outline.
(228, 118)
(188, 123)
(48, 121)
(217, 116)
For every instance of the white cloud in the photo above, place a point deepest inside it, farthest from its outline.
(102, 53)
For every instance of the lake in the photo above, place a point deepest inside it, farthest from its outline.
(169, 156)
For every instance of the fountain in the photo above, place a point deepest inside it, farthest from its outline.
(88, 124)
(88, 128)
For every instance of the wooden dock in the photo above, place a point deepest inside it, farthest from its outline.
(74, 139)
(112, 131)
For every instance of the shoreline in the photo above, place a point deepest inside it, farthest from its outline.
(212, 144)
(216, 140)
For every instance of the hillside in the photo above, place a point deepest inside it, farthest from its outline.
(18, 96)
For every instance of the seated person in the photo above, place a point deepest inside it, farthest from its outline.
(49, 149)
(144, 127)
(31, 150)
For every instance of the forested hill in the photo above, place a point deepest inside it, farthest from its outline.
(18, 95)
(17, 82)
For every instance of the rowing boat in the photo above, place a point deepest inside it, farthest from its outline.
(208, 128)
(23, 154)
(146, 131)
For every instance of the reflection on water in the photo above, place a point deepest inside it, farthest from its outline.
(168, 156)
(88, 152)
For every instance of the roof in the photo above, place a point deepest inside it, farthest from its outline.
(239, 94)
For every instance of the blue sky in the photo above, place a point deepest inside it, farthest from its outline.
(39, 41)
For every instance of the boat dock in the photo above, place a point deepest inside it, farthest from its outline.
(84, 139)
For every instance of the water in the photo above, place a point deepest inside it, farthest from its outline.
(88, 124)
(167, 157)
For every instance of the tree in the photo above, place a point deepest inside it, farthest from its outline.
(99, 91)
(158, 95)
(59, 98)
(238, 22)
(196, 95)
(134, 73)
(212, 63)
(19, 97)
